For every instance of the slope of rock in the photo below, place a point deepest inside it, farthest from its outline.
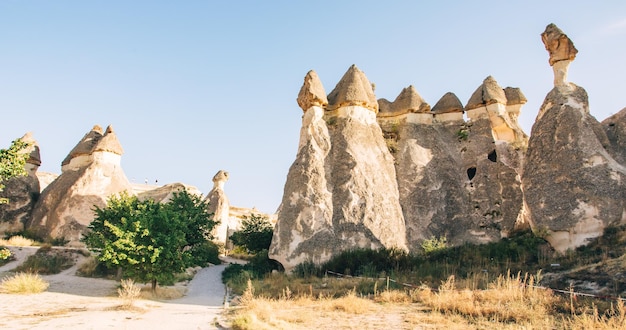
(90, 174)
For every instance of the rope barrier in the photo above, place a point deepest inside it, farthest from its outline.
(410, 285)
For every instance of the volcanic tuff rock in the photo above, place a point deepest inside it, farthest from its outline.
(457, 179)
(574, 187)
(219, 206)
(164, 194)
(90, 174)
(341, 191)
(22, 192)
(615, 128)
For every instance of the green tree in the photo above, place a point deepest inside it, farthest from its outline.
(12, 163)
(149, 241)
(255, 234)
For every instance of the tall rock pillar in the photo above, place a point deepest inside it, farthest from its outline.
(573, 186)
(219, 206)
(341, 191)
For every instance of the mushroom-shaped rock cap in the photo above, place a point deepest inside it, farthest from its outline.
(487, 93)
(220, 176)
(109, 143)
(409, 100)
(85, 145)
(449, 102)
(353, 89)
(312, 92)
(557, 43)
(514, 96)
(34, 156)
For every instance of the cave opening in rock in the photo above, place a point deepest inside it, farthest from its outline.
(471, 173)
(493, 156)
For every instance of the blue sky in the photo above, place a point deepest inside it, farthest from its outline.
(192, 87)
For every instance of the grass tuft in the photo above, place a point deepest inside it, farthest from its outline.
(18, 240)
(23, 283)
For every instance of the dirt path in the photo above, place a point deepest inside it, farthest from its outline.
(74, 302)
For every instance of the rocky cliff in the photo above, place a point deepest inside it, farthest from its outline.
(341, 191)
(22, 192)
(457, 179)
(89, 174)
(574, 174)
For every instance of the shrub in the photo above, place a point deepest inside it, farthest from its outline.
(45, 263)
(17, 241)
(23, 283)
(128, 292)
(207, 252)
(434, 244)
(5, 253)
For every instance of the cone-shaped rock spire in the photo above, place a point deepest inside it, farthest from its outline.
(312, 92)
(354, 89)
(487, 93)
(514, 96)
(85, 145)
(409, 100)
(448, 103)
(109, 143)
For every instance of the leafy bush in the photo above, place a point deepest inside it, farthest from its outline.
(5, 253)
(255, 234)
(207, 252)
(434, 244)
(237, 276)
(23, 283)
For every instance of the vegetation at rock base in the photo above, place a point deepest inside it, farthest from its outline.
(255, 234)
(150, 241)
(495, 285)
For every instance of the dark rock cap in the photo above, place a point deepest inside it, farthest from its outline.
(312, 92)
(354, 89)
(109, 143)
(514, 96)
(85, 145)
(409, 100)
(557, 43)
(487, 93)
(449, 102)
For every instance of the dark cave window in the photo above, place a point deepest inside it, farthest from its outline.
(471, 172)
(493, 156)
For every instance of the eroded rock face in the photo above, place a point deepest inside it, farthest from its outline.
(22, 192)
(219, 206)
(164, 194)
(458, 179)
(615, 128)
(574, 187)
(90, 174)
(341, 191)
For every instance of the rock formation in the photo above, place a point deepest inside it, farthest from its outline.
(341, 191)
(457, 179)
(164, 194)
(574, 183)
(89, 175)
(220, 207)
(22, 192)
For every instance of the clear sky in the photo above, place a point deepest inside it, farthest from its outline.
(192, 87)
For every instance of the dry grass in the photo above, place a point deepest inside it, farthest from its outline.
(19, 241)
(162, 292)
(128, 293)
(23, 283)
(510, 302)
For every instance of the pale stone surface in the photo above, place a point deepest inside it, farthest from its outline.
(341, 191)
(219, 206)
(573, 187)
(163, 194)
(90, 174)
(22, 191)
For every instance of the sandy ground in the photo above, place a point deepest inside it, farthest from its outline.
(73, 302)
